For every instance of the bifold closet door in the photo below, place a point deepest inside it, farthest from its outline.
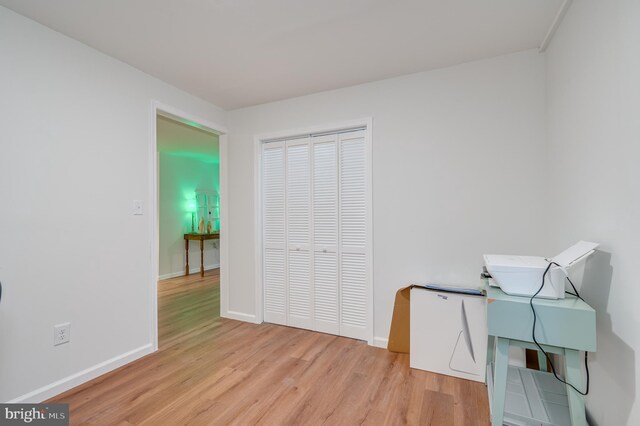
(355, 298)
(274, 233)
(298, 225)
(316, 253)
(325, 233)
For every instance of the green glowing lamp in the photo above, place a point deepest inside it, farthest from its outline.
(191, 208)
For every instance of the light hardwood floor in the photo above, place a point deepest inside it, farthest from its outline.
(210, 370)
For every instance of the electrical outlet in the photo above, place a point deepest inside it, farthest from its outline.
(61, 333)
(137, 207)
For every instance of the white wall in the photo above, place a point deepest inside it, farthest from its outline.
(74, 134)
(459, 170)
(594, 155)
(179, 177)
(458, 160)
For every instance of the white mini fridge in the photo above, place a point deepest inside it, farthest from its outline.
(448, 332)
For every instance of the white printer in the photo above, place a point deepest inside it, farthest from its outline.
(522, 275)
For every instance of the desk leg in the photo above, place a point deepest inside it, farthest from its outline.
(186, 255)
(573, 368)
(491, 349)
(201, 258)
(501, 367)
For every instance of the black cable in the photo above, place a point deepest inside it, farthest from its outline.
(574, 289)
(533, 332)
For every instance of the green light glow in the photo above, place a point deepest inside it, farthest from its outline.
(190, 205)
(204, 157)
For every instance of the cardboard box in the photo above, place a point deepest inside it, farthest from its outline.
(399, 334)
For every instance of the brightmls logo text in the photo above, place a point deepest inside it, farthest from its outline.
(35, 414)
(25, 415)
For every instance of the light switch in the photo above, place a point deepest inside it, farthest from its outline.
(137, 207)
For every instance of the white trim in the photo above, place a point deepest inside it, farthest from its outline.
(154, 222)
(192, 271)
(224, 225)
(241, 316)
(365, 123)
(158, 108)
(315, 130)
(564, 7)
(380, 342)
(257, 184)
(369, 197)
(69, 382)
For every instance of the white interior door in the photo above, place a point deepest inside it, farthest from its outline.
(325, 233)
(274, 233)
(355, 306)
(298, 194)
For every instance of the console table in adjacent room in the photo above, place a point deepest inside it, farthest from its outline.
(201, 238)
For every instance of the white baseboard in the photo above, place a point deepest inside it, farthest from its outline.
(69, 382)
(380, 342)
(240, 316)
(195, 270)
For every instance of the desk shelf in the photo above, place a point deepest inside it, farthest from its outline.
(534, 398)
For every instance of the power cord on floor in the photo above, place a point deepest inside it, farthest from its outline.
(586, 354)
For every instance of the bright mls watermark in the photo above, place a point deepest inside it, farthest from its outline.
(34, 414)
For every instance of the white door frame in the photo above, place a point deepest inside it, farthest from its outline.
(362, 123)
(158, 108)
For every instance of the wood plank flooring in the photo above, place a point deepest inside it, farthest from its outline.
(214, 371)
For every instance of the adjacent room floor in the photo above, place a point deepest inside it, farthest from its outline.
(211, 370)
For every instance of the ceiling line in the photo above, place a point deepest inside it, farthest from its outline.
(554, 25)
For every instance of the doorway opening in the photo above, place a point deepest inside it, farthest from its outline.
(189, 226)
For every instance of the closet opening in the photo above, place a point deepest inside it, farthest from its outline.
(314, 216)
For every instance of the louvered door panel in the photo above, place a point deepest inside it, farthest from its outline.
(325, 192)
(298, 193)
(354, 297)
(274, 255)
(300, 291)
(326, 292)
(325, 233)
(299, 233)
(352, 190)
(275, 299)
